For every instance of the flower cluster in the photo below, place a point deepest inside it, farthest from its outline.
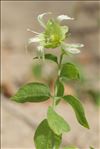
(54, 35)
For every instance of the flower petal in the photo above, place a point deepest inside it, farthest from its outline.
(29, 30)
(40, 48)
(40, 18)
(78, 45)
(41, 52)
(73, 50)
(64, 17)
(34, 39)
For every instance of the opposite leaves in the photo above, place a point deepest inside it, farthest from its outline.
(45, 138)
(69, 71)
(32, 92)
(78, 108)
(56, 122)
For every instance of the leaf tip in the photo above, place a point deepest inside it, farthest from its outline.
(87, 126)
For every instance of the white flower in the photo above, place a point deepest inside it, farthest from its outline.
(64, 17)
(53, 35)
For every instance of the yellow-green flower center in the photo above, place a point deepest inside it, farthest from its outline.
(54, 34)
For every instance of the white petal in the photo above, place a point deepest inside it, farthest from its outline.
(78, 45)
(73, 50)
(41, 52)
(40, 49)
(64, 17)
(34, 39)
(40, 18)
(29, 30)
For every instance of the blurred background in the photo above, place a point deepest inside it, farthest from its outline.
(18, 67)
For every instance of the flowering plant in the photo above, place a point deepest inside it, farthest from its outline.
(48, 134)
(54, 36)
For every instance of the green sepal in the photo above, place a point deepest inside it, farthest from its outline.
(54, 34)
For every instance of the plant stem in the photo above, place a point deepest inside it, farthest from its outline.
(58, 77)
(59, 65)
(54, 103)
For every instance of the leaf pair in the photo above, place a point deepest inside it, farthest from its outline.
(68, 70)
(58, 124)
(49, 132)
(38, 92)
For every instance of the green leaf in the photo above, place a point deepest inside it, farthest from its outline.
(45, 138)
(71, 147)
(32, 92)
(59, 89)
(78, 108)
(69, 71)
(56, 122)
(49, 56)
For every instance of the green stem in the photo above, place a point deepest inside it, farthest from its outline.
(54, 103)
(60, 61)
(58, 77)
(59, 65)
